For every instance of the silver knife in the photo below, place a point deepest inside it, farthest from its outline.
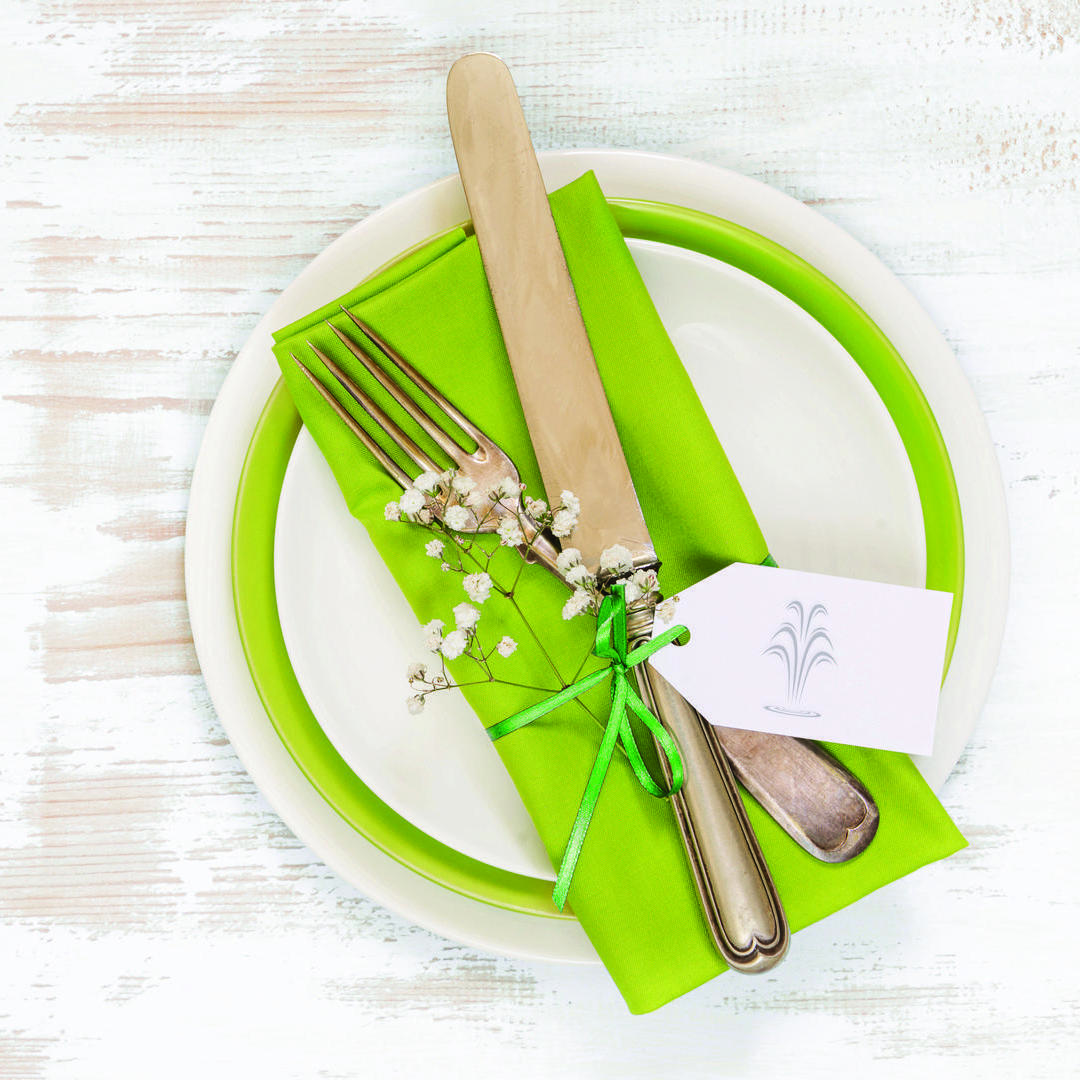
(578, 449)
(818, 802)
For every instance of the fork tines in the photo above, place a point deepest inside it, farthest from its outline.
(404, 442)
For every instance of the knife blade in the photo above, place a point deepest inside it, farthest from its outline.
(538, 310)
(579, 449)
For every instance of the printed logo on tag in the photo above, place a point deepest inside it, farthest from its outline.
(801, 642)
(812, 655)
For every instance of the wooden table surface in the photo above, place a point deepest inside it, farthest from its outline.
(168, 169)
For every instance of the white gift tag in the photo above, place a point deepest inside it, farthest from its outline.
(812, 655)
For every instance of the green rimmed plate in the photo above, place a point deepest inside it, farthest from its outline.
(264, 471)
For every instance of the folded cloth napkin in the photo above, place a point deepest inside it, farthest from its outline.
(632, 890)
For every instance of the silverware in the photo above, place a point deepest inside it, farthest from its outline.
(578, 448)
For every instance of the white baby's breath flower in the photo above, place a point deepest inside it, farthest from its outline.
(415, 705)
(579, 575)
(425, 516)
(412, 501)
(434, 548)
(665, 611)
(645, 580)
(392, 511)
(506, 646)
(432, 632)
(454, 644)
(571, 502)
(616, 559)
(457, 518)
(417, 672)
(568, 557)
(563, 523)
(478, 587)
(578, 602)
(427, 482)
(445, 567)
(535, 508)
(641, 583)
(510, 534)
(507, 488)
(465, 616)
(462, 485)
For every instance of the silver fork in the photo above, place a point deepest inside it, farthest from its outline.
(486, 466)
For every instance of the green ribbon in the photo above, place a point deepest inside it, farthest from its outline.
(610, 645)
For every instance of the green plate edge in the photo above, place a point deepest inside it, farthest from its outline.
(263, 473)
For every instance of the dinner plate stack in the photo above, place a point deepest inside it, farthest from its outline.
(418, 812)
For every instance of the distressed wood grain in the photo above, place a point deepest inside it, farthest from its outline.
(167, 170)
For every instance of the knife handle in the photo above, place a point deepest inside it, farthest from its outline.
(814, 799)
(737, 893)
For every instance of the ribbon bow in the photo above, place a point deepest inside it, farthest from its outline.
(610, 645)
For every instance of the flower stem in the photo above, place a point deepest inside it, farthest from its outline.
(554, 667)
(502, 682)
(581, 666)
(536, 637)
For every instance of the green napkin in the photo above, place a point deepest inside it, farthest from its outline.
(632, 890)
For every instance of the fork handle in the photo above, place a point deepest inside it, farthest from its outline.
(814, 799)
(738, 897)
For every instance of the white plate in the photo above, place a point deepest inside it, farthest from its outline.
(634, 175)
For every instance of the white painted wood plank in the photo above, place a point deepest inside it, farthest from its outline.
(168, 169)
